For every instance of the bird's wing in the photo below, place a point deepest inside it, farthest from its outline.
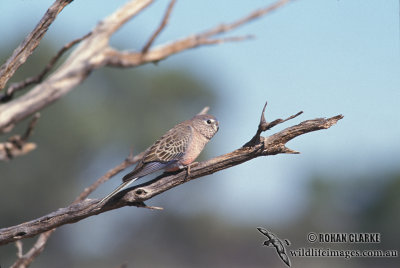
(171, 147)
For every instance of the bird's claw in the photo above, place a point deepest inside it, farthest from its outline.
(188, 167)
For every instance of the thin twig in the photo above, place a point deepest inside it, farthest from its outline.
(30, 128)
(25, 260)
(17, 145)
(164, 23)
(25, 49)
(264, 126)
(210, 41)
(19, 246)
(223, 28)
(8, 95)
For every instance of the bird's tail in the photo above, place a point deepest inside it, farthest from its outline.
(117, 190)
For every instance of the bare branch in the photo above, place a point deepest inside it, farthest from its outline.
(7, 96)
(94, 52)
(18, 244)
(264, 126)
(25, 260)
(25, 49)
(164, 23)
(30, 128)
(223, 28)
(116, 20)
(13, 148)
(17, 145)
(133, 59)
(135, 196)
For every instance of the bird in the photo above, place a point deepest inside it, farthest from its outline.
(176, 149)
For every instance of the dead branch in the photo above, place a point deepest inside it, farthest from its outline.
(264, 126)
(164, 23)
(7, 96)
(25, 49)
(18, 145)
(135, 196)
(95, 52)
(24, 260)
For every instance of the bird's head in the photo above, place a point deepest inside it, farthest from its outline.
(206, 124)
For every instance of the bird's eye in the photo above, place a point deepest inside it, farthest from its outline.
(209, 121)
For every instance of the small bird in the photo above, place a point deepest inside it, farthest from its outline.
(176, 149)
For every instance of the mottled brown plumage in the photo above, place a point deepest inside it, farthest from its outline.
(176, 149)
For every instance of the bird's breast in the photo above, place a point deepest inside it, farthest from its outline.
(195, 147)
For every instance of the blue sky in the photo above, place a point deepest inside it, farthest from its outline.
(323, 57)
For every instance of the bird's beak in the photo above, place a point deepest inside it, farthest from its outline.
(216, 126)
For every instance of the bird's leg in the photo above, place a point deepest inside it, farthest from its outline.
(188, 167)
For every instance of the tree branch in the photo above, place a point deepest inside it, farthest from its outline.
(24, 260)
(18, 145)
(264, 126)
(164, 23)
(135, 196)
(7, 96)
(223, 28)
(94, 52)
(25, 49)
